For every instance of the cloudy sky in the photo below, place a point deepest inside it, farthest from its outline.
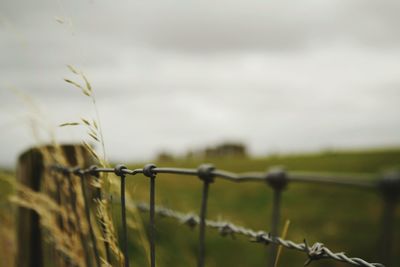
(281, 76)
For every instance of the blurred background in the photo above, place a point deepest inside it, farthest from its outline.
(279, 76)
(312, 85)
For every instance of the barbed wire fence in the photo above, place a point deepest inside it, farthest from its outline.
(276, 178)
(33, 165)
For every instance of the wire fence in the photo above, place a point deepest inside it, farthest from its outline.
(276, 178)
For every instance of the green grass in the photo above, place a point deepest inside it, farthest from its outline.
(344, 219)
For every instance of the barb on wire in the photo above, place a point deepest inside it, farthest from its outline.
(316, 252)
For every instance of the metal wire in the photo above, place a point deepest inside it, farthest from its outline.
(297, 177)
(315, 252)
(119, 171)
(202, 231)
(148, 171)
(277, 179)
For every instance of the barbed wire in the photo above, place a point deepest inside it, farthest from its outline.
(277, 178)
(316, 251)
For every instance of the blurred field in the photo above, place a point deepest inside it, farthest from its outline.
(7, 237)
(344, 219)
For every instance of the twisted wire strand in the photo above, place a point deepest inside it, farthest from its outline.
(315, 252)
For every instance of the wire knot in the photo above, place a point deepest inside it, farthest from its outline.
(119, 170)
(190, 220)
(277, 178)
(205, 172)
(227, 229)
(93, 170)
(77, 171)
(262, 237)
(148, 170)
(315, 252)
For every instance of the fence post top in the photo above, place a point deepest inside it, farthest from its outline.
(277, 178)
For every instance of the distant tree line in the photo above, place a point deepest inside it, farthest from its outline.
(223, 150)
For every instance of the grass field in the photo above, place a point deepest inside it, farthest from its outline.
(344, 219)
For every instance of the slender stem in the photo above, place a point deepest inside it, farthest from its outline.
(100, 129)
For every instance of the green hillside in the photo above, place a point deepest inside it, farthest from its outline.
(344, 219)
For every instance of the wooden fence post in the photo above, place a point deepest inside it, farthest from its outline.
(29, 243)
(30, 173)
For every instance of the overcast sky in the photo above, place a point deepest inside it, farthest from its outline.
(280, 76)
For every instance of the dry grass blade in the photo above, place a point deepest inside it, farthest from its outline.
(109, 230)
(88, 86)
(69, 124)
(59, 20)
(73, 70)
(95, 124)
(91, 150)
(95, 133)
(94, 137)
(74, 84)
(84, 90)
(85, 121)
(284, 234)
(86, 93)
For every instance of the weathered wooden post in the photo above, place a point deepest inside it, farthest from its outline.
(30, 173)
(29, 242)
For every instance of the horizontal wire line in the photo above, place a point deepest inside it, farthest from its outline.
(299, 177)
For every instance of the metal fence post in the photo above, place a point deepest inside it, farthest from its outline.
(277, 179)
(119, 172)
(148, 171)
(205, 174)
(390, 189)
